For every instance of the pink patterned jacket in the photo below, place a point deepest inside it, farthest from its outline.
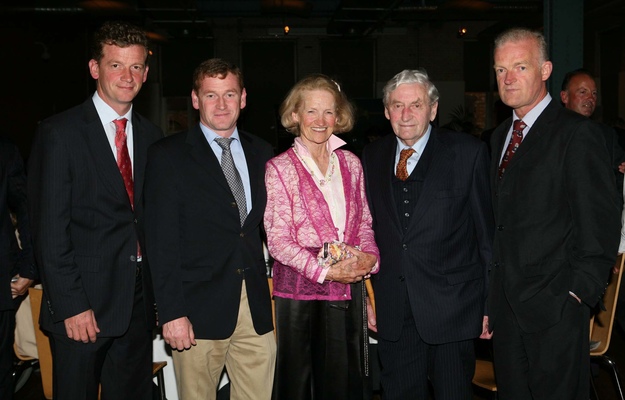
(298, 222)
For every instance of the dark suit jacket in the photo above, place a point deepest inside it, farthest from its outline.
(557, 219)
(441, 261)
(85, 230)
(13, 200)
(195, 240)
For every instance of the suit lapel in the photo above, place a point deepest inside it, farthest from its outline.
(438, 171)
(139, 157)
(253, 169)
(101, 153)
(202, 153)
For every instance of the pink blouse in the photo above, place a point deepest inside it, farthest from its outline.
(298, 222)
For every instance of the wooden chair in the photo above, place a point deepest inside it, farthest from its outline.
(45, 354)
(484, 377)
(602, 323)
(273, 304)
(43, 344)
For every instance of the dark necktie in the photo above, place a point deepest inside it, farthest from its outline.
(124, 164)
(402, 169)
(515, 142)
(123, 158)
(232, 176)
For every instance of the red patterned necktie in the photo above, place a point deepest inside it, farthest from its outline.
(123, 157)
(515, 142)
(124, 164)
(402, 169)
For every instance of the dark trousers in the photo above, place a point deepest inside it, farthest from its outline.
(546, 365)
(7, 337)
(122, 365)
(409, 363)
(320, 350)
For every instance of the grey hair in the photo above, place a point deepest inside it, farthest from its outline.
(518, 34)
(411, 76)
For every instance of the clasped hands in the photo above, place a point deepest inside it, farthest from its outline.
(352, 269)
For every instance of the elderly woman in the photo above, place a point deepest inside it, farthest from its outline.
(316, 196)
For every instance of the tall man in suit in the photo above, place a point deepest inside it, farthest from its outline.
(85, 188)
(556, 234)
(429, 197)
(17, 263)
(204, 209)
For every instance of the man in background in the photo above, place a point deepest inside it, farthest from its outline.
(17, 263)
(85, 188)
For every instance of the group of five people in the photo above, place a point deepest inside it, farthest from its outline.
(458, 244)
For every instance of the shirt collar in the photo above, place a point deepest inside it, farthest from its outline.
(333, 143)
(419, 147)
(210, 135)
(530, 118)
(105, 112)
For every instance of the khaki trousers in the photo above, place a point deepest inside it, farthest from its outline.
(249, 359)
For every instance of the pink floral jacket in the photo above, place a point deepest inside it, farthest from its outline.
(298, 222)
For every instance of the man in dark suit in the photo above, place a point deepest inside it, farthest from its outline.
(204, 208)
(429, 197)
(557, 229)
(85, 188)
(17, 263)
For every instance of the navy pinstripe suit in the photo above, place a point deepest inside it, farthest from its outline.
(431, 288)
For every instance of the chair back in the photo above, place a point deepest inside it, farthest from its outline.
(43, 343)
(601, 328)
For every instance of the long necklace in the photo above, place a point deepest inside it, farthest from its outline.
(331, 168)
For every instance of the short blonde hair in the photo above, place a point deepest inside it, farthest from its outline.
(295, 98)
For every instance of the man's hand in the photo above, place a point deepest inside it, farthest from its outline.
(178, 333)
(20, 286)
(621, 167)
(82, 327)
(485, 333)
(365, 261)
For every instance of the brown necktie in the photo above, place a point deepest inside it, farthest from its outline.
(515, 142)
(402, 170)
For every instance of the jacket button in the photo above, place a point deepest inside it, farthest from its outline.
(233, 204)
(404, 246)
(133, 258)
(401, 278)
(500, 228)
(242, 234)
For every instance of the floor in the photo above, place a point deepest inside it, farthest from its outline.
(605, 386)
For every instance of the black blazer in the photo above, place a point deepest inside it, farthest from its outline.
(557, 218)
(13, 200)
(85, 230)
(199, 251)
(441, 261)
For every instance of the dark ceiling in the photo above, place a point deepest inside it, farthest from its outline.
(170, 19)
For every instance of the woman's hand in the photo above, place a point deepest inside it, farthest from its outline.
(344, 271)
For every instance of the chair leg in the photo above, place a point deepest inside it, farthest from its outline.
(607, 360)
(161, 385)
